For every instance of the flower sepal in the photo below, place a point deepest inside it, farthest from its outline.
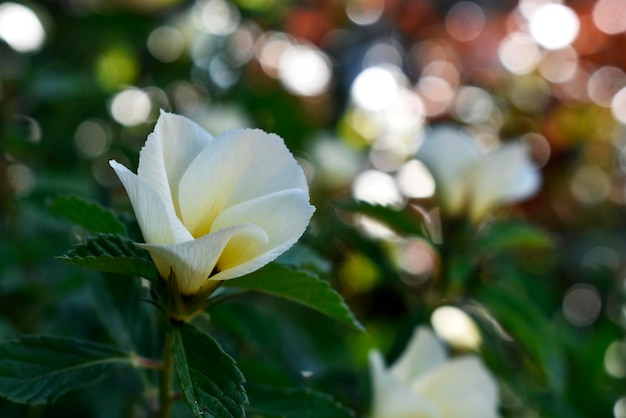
(178, 306)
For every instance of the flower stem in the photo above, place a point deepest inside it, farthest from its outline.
(166, 377)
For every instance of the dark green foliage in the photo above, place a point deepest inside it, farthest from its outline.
(38, 369)
(211, 383)
(401, 221)
(298, 286)
(294, 403)
(509, 235)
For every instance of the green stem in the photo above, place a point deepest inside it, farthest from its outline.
(166, 378)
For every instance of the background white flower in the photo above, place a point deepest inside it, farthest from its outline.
(215, 208)
(424, 383)
(469, 180)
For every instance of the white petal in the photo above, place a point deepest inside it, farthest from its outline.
(505, 176)
(424, 352)
(158, 223)
(283, 216)
(527, 180)
(192, 262)
(448, 152)
(463, 387)
(169, 150)
(239, 165)
(392, 398)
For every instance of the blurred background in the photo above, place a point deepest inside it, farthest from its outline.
(352, 86)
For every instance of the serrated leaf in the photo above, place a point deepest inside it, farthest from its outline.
(111, 253)
(400, 221)
(88, 214)
(211, 383)
(298, 286)
(36, 369)
(294, 403)
(509, 235)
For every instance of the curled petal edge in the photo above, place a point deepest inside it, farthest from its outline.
(193, 262)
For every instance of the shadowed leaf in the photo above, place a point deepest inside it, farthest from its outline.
(211, 383)
(294, 403)
(38, 369)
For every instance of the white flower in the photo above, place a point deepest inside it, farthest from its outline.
(423, 383)
(468, 180)
(215, 208)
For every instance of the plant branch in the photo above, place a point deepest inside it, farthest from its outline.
(166, 377)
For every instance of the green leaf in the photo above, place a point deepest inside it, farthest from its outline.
(460, 268)
(298, 286)
(112, 253)
(37, 369)
(525, 322)
(294, 403)
(211, 383)
(129, 321)
(7, 331)
(88, 214)
(496, 239)
(301, 256)
(400, 221)
(510, 235)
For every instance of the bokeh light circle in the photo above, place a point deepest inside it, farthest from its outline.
(21, 28)
(554, 26)
(130, 107)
